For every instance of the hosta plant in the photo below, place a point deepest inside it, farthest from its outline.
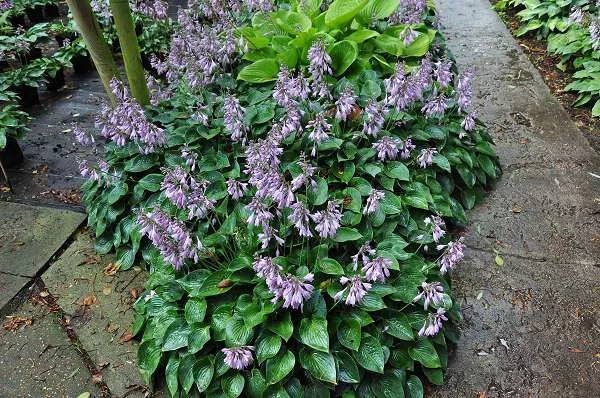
(295, 224)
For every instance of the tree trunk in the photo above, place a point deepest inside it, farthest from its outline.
(130, 50)
(95, 43)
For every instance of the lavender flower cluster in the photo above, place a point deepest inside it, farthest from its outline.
(127, 122)
(5, 5)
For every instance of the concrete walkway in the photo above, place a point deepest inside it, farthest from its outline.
(533, 324)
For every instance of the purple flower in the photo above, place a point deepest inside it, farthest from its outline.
(189, 156)
(409, 12)
(408, 35)
(288, 89)
(468, 123)
(328, 221)
(345, 104)
(437, 224)
(300, 216)
(433, 323)
(259, 5)
(357, 289)
(259, 212)
(233, 117)
(377, 270)
(455, 251)
(363, 254)
(170, 236)
(127, 121)
(407, 148)
(387, 148)
(435, 105)
(594, 30)
(464, 91)
(88, 172)
(176, 185)
(238, 358)
(425, 158)
(82, 136)
(306, 177)
(320, 128)
(236, 189)
(375, 118)
(443, 72)
(431, 293)
(198, 204)
(373, 201)
(319, 66)
(5, 5)
(576, 16)
(296, 291)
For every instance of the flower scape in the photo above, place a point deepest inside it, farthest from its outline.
(293, 189)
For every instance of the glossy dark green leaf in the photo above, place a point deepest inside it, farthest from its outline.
(313, 333)
(424, 352)
(279, 367)
(203, 372)
(349, 333)
(149, 355)
(232, 385)
(267, 347)
(198, 337)
(347, 368)
(370, 354)
(321, 365)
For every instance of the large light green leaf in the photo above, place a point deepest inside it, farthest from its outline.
(378, 9)
(261, 71)
(343, 54)
(280, 366)
(313, 333)
(341, 12)
(321, 365)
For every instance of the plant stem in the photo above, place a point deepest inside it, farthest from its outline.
(130, 50)
(95, 43)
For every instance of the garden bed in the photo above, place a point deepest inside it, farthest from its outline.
(555, 78)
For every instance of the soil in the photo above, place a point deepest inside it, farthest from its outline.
(556, 79)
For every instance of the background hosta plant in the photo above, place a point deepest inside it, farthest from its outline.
(294, 214)
(572, 30)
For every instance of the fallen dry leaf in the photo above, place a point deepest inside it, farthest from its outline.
(89, 300)
(44, 293)
(97, 378)
(481, 395)
(15, 322)
(111, 269)
(516, 210)
(112, 327)
(135, 293)
(575, 349)
(107, 290)
(125, 337)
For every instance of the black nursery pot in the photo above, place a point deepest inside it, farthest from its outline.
(34, 53)
(35, 14)
(17, 20)
(11, 154)
(28, 95)
(57, 82)
(81, 64)
(52, 11)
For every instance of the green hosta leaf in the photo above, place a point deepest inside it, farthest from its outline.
(176, 336)
(267, 347)
(171, 374)
(343, 54)
(233, 385)
(372, 302)
(282, 325)
(321, 365)
(442, 162)
(195, 310)
(347, 369)
(397, 170)
(237, 333)
(414, 387)
(379, 9)
(596, 109)
(425, 353)
(141, 163)
(313, 333)
(198, 337)
(345, 234)
(280, 366)
(320, 194)
(118, 190)
(331, 267)
(370, 354)
(435, 376)
(204, 370)
(341, 12)
(262, 71)
(185, 372)
(391, 384)
(420, 45)
(399, 327)
(361, 35)
(349, 333)
(149, 354)
(255, 384)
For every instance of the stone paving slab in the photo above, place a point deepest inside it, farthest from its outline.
(39, 361)
(28, 239)
(543, 217)
(102, 326)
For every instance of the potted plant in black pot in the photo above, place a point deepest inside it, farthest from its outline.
(24, 81)
(12, 127)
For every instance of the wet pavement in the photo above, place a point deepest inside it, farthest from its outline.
(532, 324)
